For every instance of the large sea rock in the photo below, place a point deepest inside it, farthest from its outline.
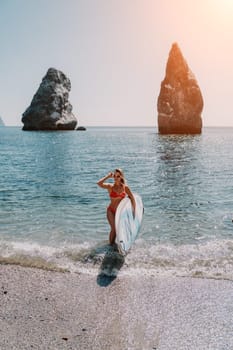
(180, 101)
(50, 108)
(1, 122)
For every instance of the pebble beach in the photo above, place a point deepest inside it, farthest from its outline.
(54, 310)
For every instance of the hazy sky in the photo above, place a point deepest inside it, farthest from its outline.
(115, 54)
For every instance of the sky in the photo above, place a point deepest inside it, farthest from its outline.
(115, 52)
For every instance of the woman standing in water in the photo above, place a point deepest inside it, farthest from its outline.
(117, 191)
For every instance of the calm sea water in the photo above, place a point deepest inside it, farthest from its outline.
(51, 207)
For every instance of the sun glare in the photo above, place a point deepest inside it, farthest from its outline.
(222, 10)
(223, 5)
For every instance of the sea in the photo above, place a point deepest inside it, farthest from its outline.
(53, 214)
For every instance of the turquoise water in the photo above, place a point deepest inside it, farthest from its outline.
(51, 207)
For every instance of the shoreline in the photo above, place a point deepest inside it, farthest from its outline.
(58, 310)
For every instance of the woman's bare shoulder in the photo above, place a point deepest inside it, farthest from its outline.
(128, 190)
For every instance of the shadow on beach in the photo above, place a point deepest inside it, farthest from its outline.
(110, 266)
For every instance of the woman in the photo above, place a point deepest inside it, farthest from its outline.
(117, 191)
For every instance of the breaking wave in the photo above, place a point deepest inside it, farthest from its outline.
(213, 259)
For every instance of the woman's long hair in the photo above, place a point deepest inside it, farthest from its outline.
(120, 171)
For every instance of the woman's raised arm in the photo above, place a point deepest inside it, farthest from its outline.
(101, 183)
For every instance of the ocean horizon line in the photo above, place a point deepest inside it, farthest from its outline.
(127, 126)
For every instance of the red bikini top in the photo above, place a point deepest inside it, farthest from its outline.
(114, 194)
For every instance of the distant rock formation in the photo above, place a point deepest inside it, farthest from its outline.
(81, 128)
(50, 108)
(1, 122)
(180, 101)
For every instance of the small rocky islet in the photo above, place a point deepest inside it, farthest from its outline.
(50, 108)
